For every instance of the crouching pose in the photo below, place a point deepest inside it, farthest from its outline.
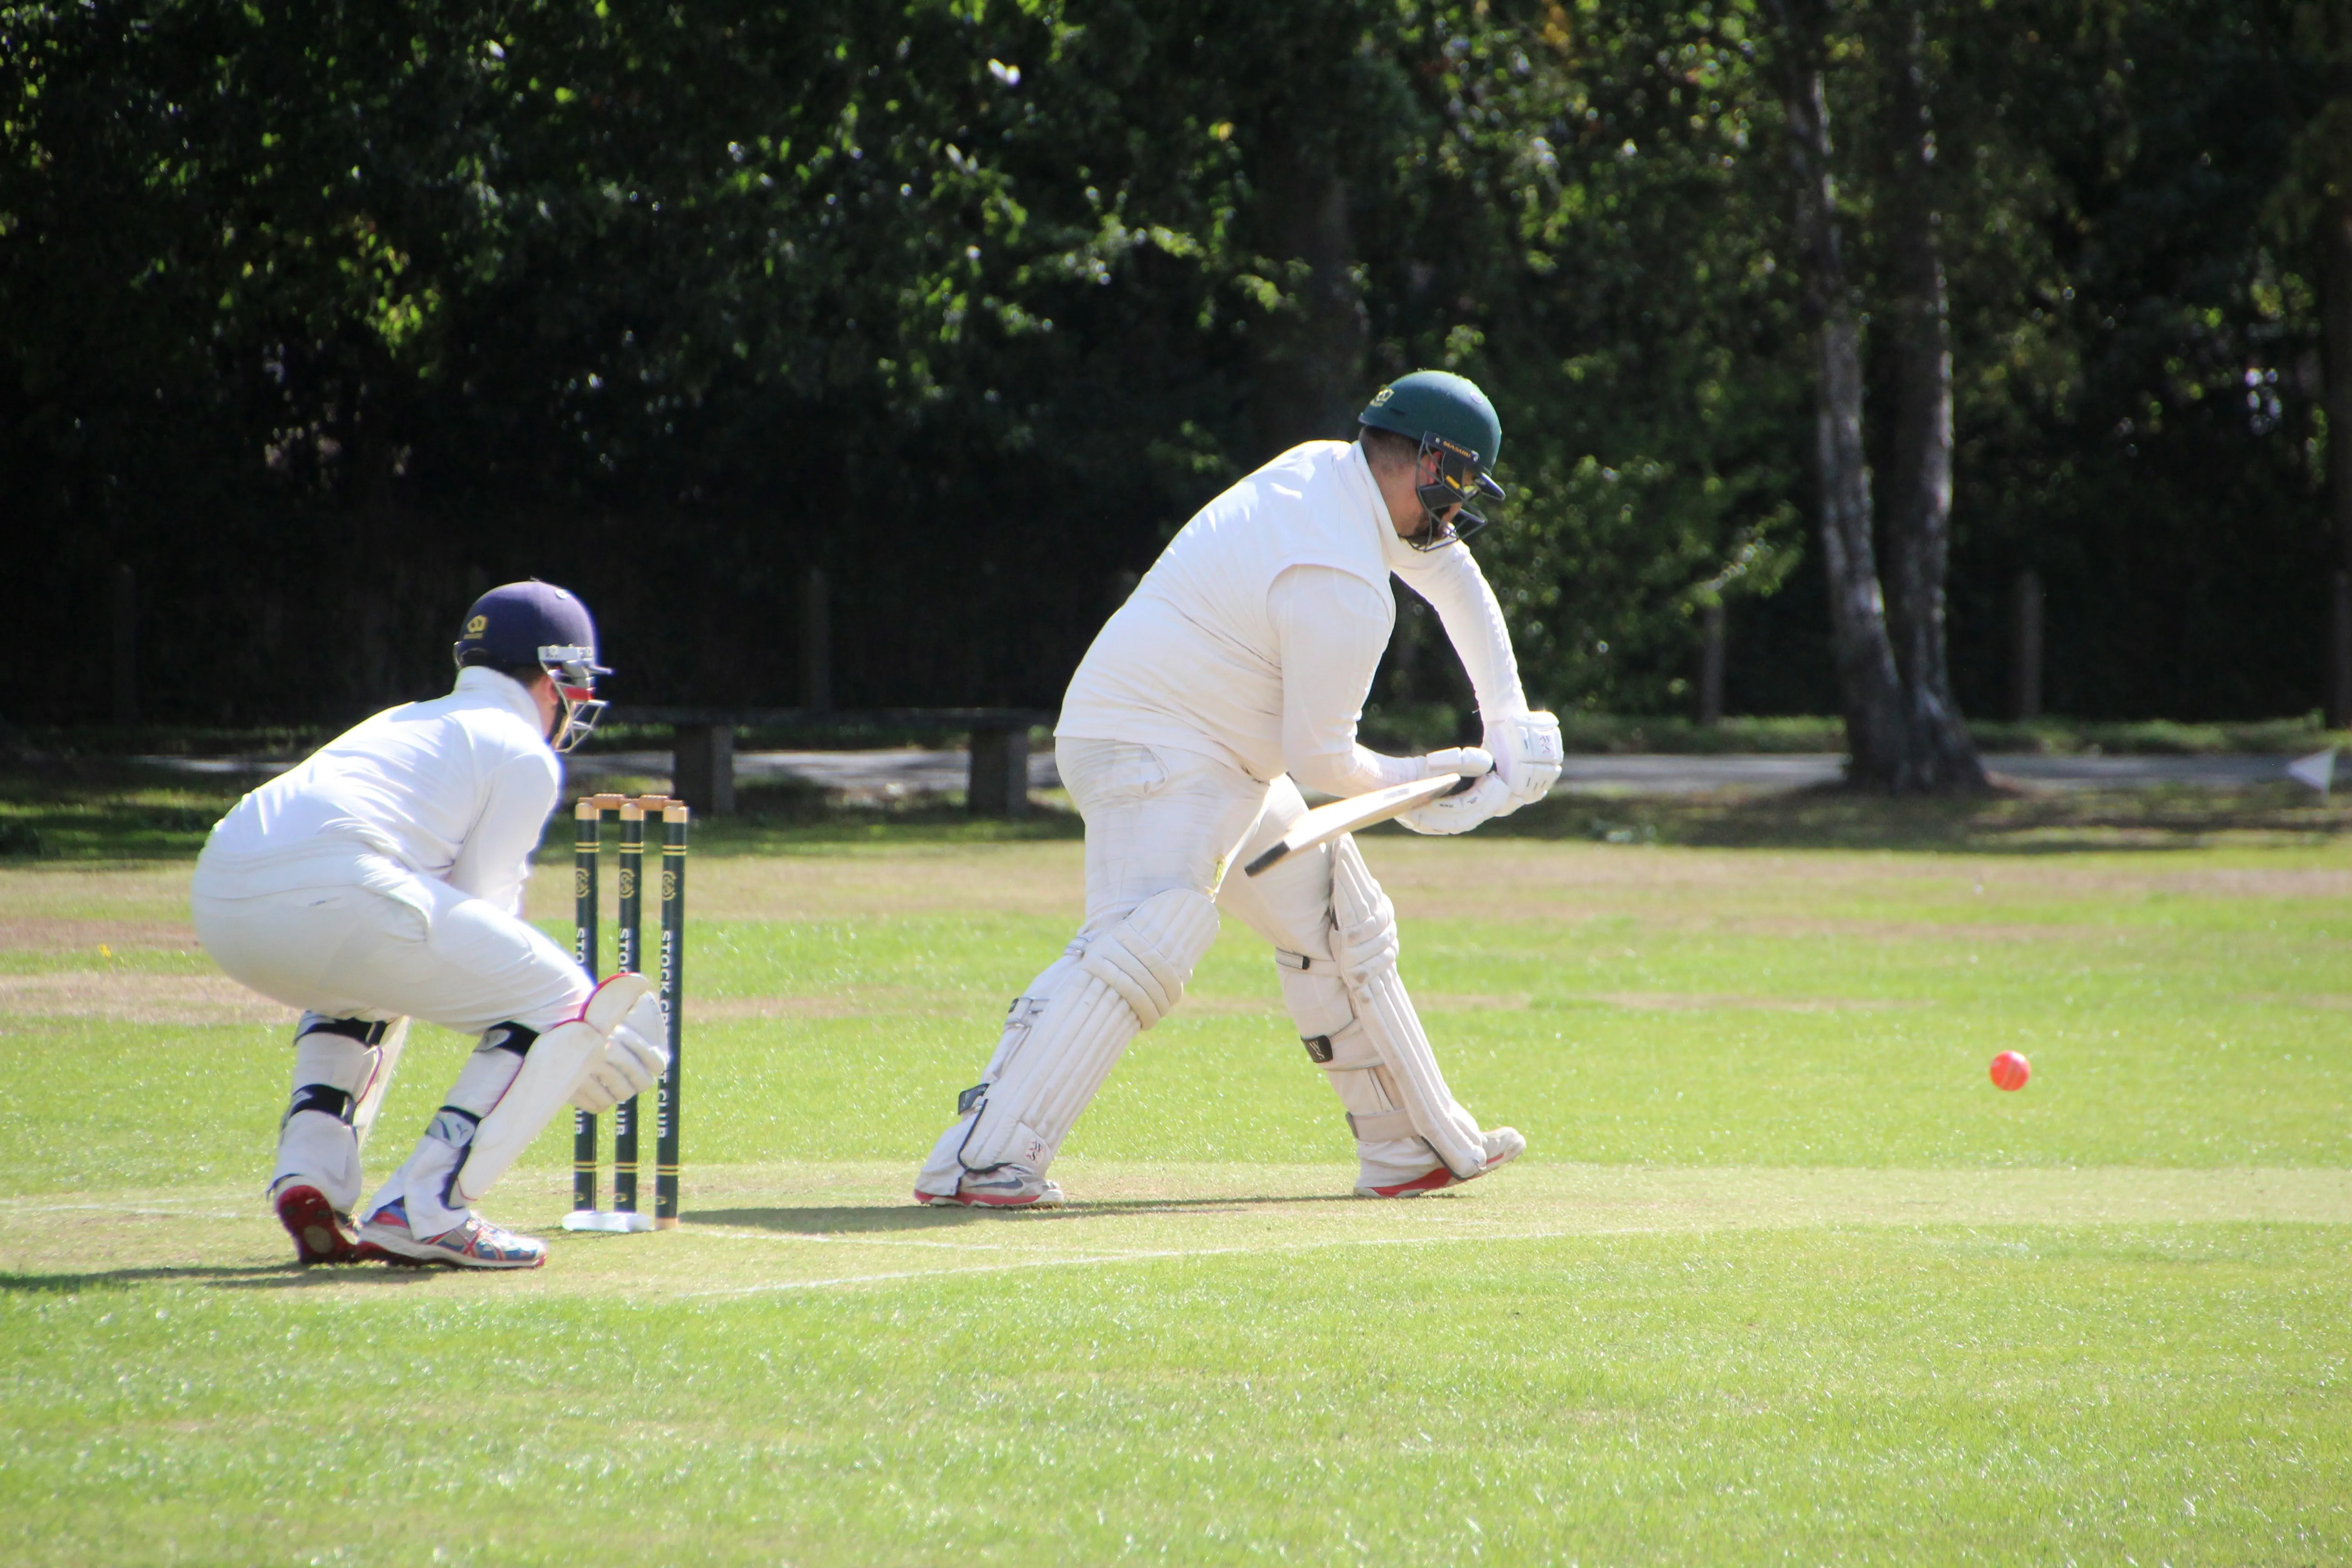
(1235, 674)
(382, 880)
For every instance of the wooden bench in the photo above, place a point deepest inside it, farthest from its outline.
(702, 770)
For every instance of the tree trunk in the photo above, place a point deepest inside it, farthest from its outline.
(1919, 502)
(1311, 358)
(1869, 686)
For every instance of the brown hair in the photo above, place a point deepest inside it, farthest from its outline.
(521, 674)
(1386, 450)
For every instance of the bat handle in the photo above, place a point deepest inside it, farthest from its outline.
(1268, 858)
(1463, 784)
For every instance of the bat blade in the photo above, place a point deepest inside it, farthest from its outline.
(1326, 823)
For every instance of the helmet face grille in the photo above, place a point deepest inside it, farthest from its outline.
(1452, 495)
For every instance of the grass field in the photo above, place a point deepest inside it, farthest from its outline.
(1782, 1278)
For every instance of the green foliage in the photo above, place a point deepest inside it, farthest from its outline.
(321, 320)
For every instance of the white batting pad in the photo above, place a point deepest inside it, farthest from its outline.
(551, 1071)
(1365, 943)
(1127, 980)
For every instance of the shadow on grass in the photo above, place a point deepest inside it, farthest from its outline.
(287, 1276)
(2009, 821)
(781, 818)
(112, 808)
(108, 808)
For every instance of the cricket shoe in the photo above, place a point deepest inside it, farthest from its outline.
(1005, 1187)
(475, 1243)
(1503, 1145)
(321, 1232)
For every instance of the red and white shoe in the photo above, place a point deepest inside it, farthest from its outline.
(1503, 1145)
(321, 1232)
(475, 1243)
(1005, 1187)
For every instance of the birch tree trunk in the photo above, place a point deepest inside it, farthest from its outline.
(1919, 501)
(1870, 688)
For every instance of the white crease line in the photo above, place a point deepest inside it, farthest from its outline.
(753, 1233)
(1158, 1255)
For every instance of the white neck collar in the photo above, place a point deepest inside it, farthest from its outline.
(479, 680)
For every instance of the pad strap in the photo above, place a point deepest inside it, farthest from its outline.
(1344, 1050)
(325, 1098)
(366, 1032)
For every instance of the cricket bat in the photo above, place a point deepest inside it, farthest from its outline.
(1326, 823)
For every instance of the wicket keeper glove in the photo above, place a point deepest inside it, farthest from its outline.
(635, 1054)
(1527, 757)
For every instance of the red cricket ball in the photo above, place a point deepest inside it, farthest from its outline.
(2011, 1069)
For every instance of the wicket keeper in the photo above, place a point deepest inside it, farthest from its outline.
(1235, 674)
(380, 880)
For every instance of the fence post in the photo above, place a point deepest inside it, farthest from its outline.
(999, 772)
(817, 642)
(124, 605)
(702, 767)
(2025, 647)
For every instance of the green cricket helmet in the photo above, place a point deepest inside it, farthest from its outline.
(1454, 420)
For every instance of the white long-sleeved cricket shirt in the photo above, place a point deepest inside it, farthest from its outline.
(1255, 636)
(457, 789)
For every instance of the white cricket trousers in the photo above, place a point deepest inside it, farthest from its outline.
(373, 940)
(1159, 818)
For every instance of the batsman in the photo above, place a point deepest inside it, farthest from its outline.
(382, 880)
(1234, 675)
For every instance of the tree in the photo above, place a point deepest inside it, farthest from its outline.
(1902, 726)
(2315, 200)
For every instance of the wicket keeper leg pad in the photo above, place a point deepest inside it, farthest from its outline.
(552, 1070)
(1127, 980)
(1365, 941)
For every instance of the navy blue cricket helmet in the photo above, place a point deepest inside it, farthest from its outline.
(538, 622)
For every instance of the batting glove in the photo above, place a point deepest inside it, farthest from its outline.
(1459, 813)
(1527, 756)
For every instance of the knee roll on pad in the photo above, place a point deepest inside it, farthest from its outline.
(1148, 957)
(1126, 979)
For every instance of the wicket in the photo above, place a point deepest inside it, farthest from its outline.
(587, 858)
